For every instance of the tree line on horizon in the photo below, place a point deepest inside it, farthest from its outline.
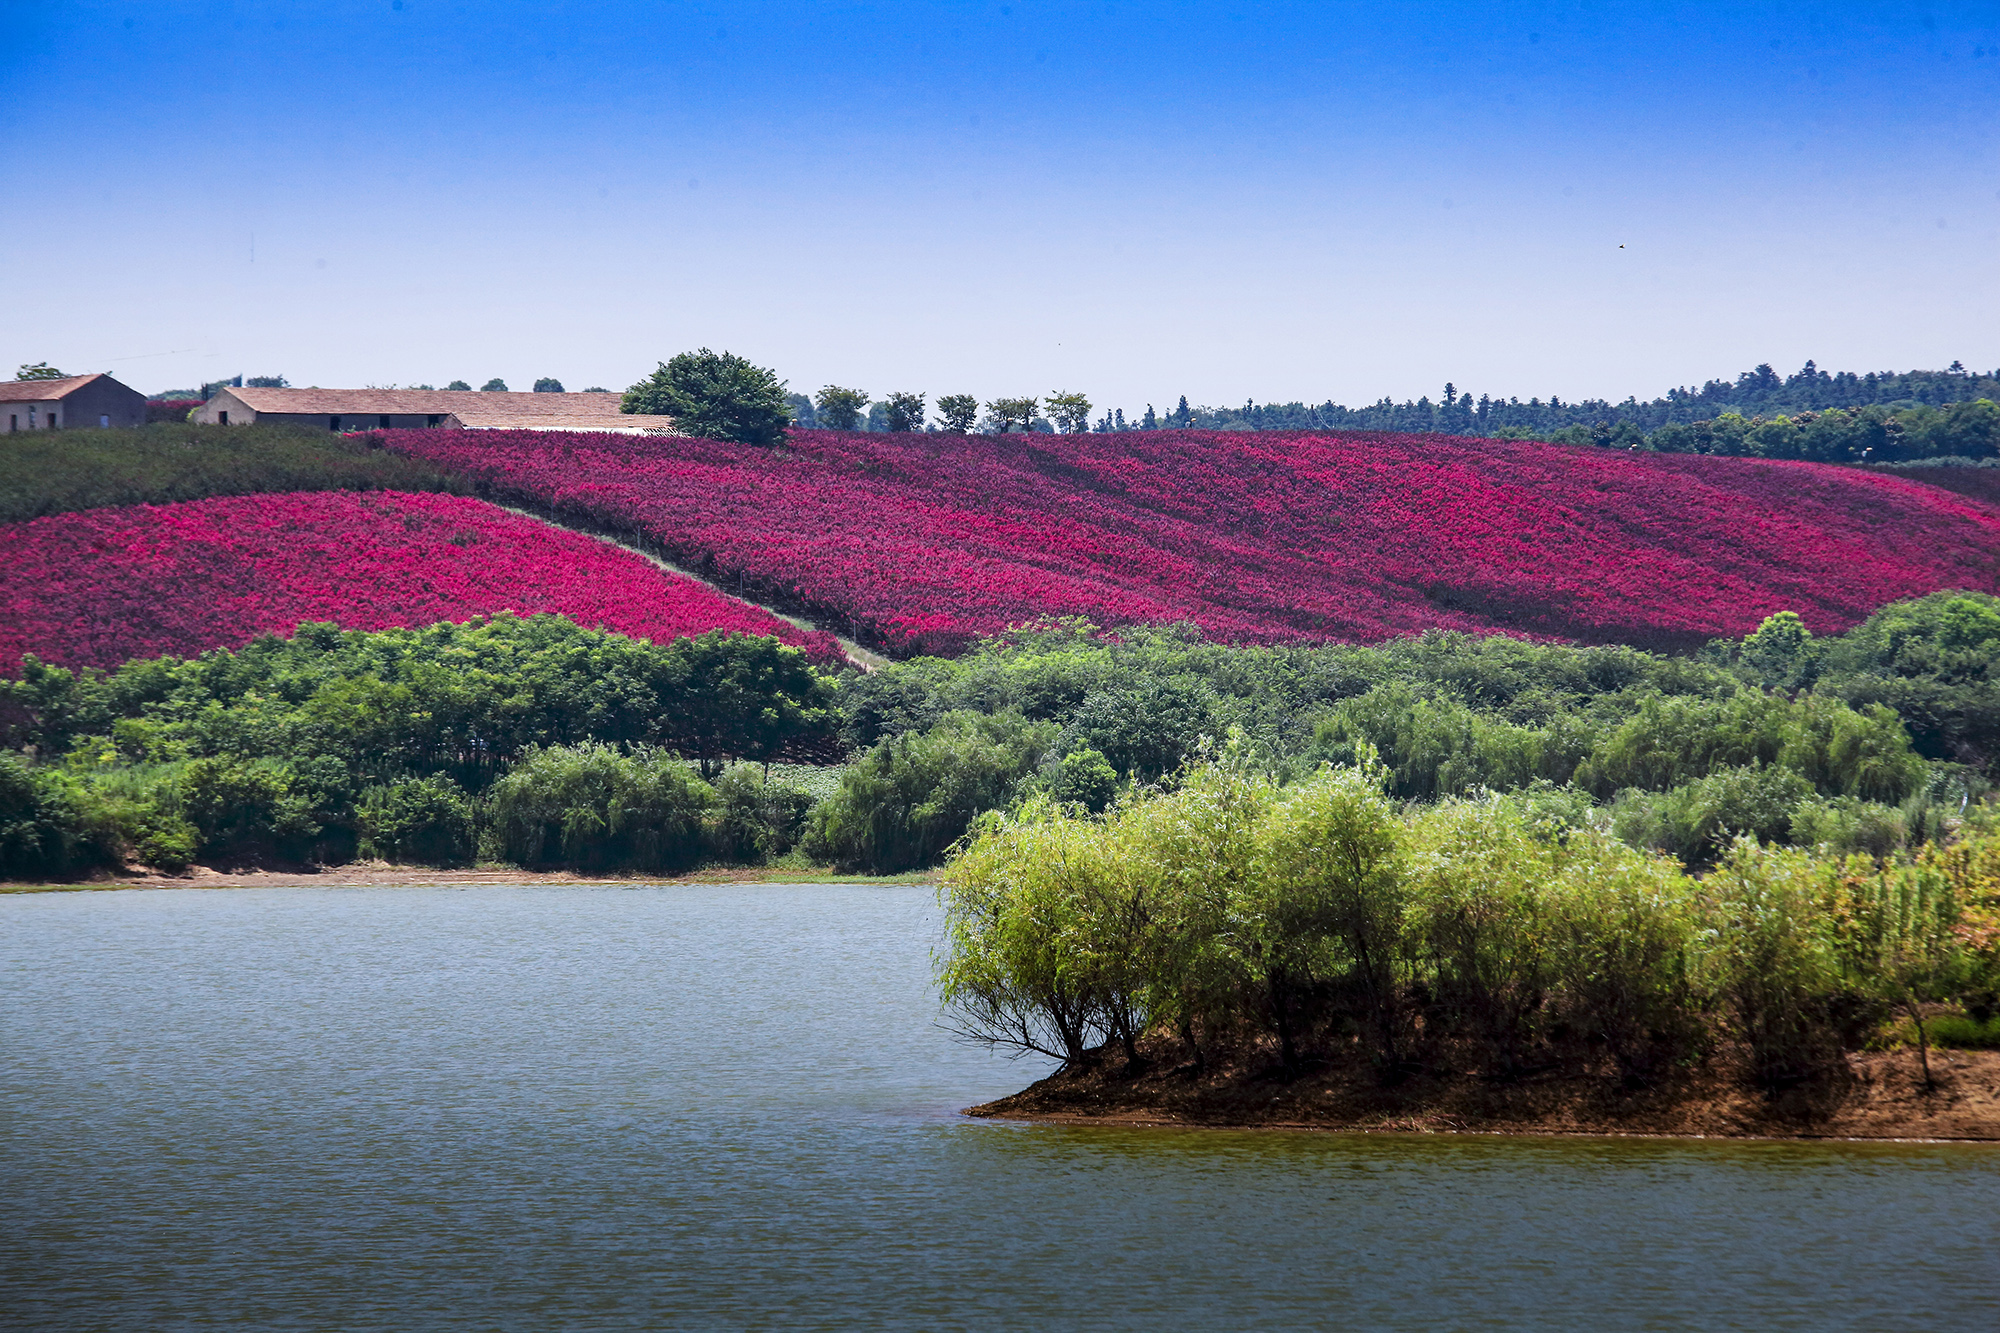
(1880, 415)
(1873, 418)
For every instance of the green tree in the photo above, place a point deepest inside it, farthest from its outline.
(957, 412)
(1328, 899)
(906, 411)
(426, 820)
(494, 385)
(592, 807)
(1011, 412)
(1780, 652)
(1070, 412)
(459, 385)
(548, 384)
(716, 396)
(40, 370)
(838, 408)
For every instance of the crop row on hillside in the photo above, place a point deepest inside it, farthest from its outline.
(925, 541)
(54, 472)
(97, 587)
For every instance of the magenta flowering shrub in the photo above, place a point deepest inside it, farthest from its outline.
(99, 586)
(923, 541)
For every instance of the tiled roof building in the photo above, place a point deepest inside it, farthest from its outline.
(384, 409)
(75, 400)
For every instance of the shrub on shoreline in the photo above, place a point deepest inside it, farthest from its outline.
(1475, 933)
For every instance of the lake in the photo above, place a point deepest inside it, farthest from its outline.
(731, 1107)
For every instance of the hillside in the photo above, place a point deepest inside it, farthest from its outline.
(923, 542)
(99, 586)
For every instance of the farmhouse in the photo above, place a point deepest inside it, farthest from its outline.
(75, 400)
(387, 409)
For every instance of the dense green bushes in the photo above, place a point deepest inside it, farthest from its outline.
(52, 472)
(331, 745)
(554, 744)
(912, 796)
(1492, 934)
(1966, 430)
(1781, 736)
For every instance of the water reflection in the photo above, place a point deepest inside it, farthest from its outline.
(730, 1107)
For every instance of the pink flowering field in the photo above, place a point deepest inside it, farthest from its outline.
(923, 542)
(99, 586)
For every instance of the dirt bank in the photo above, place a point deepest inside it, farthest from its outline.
(369, 874)
(1880, 1097)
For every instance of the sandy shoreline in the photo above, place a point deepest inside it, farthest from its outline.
(1881, 1098)
(379, 875)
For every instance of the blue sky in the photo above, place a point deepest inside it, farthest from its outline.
(1138, 201)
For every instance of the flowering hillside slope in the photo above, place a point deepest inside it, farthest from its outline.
(96, 587)
(923, 541)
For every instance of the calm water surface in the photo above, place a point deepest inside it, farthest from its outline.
(546, 1108)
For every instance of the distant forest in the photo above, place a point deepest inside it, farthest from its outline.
(1754, 393)
(1881, 416)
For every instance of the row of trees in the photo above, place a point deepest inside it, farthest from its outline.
(1865, 742)
(1877, 416)
(837, 408)
(1871, 742)
(1492, 935)
(1759, 392)
(332, 743)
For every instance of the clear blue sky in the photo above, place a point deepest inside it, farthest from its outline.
(1136, 200)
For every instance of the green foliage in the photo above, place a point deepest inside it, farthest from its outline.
(1084, 778)
(494, 385)
(1069, 411)
(1147, 730)
(905, 411)
(332, 742)
(1498, 934)
(1329, 900)
(1013, 413)
(756, 820)
(591, 807)
(51, 472)
(39, 370)
(957, 412)
(548, 384)
(838, 408)
(904, 802)
(715, 395)
(46, 824)
(425, 820)
(1963, 1032)
(1771, 962)
(1690, 752)
(1930, 660)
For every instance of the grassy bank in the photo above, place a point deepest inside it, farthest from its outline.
(53, 472)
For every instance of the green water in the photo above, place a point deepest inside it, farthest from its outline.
(730, 1107)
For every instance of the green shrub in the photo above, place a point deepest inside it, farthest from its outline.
(426, 820)
(1770, 958)
(48, 823)
(1085, 778)
(756, 820)
(908, 799)
(594, 807)
(1963, 1032)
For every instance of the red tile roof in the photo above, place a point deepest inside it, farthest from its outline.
(622, 422)
(43, 391)
(423, 402)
